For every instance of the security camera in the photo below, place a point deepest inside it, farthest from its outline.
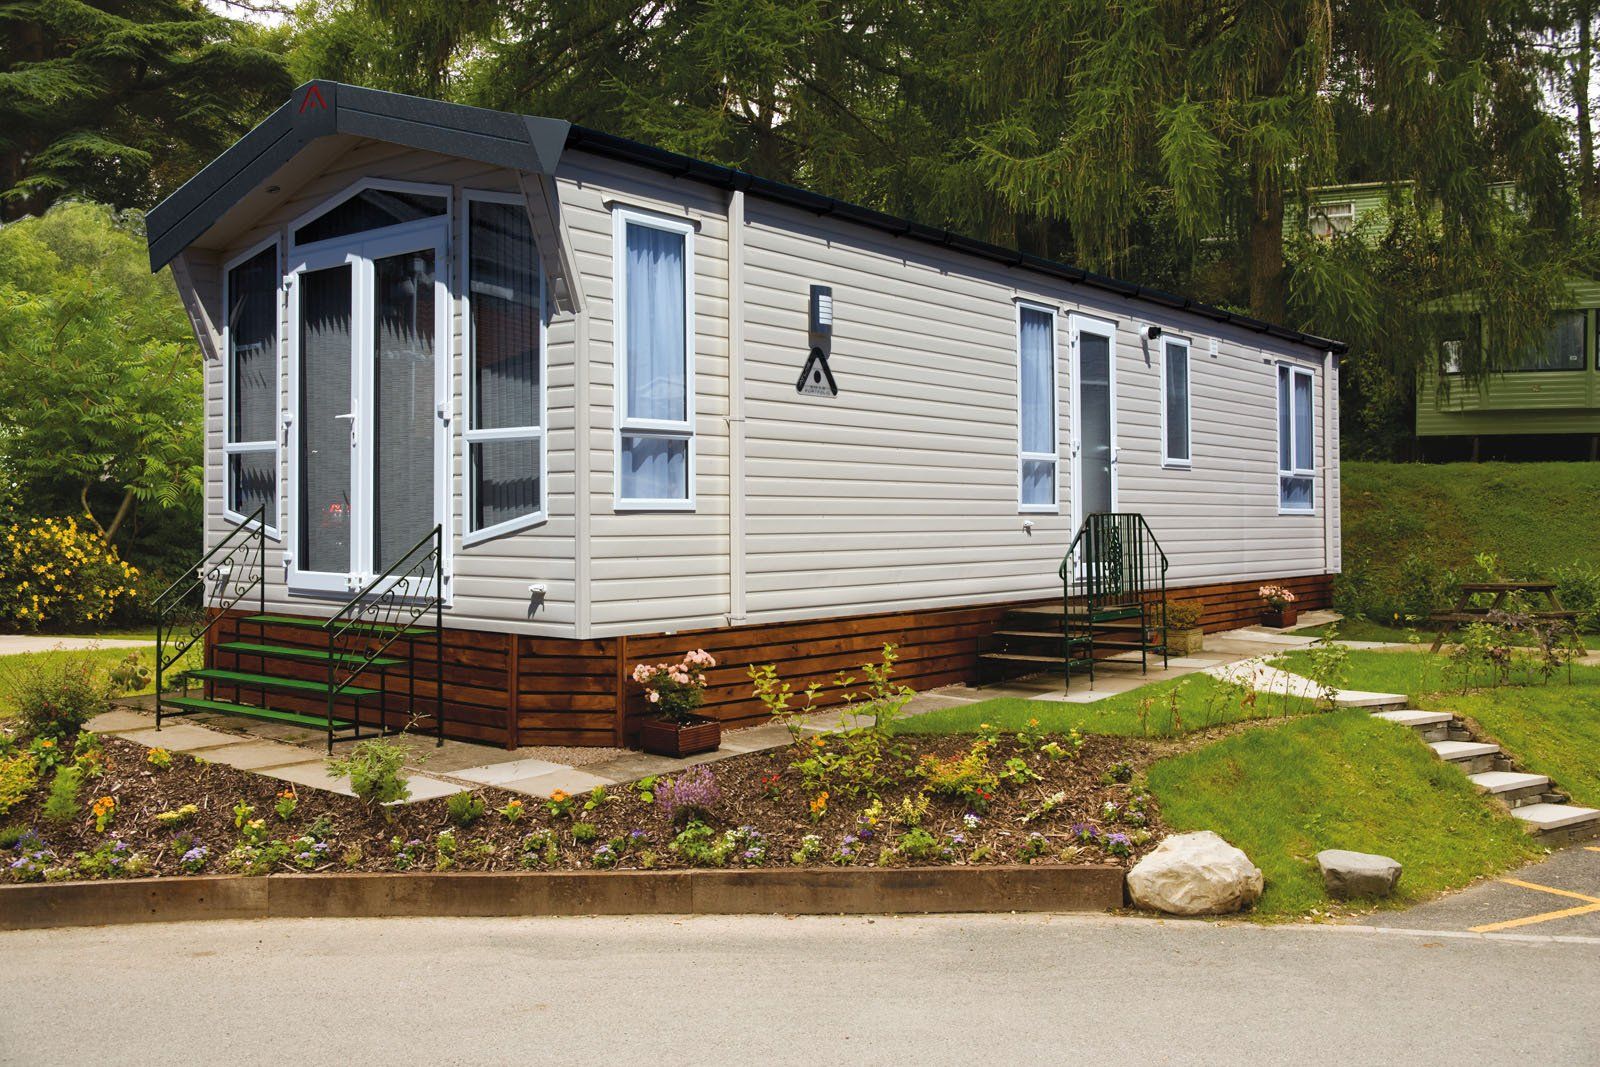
(1149, 331)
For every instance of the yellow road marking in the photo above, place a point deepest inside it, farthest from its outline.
(1590, 848)
(1590, 905)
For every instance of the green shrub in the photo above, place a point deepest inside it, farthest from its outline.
(63, 804)
(19, 776)
(1184, 614)
(55, 699)
(1578, 586)
(464, 809)
(373, 768)
(54, 573)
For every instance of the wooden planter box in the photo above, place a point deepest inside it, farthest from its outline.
(663, 737)
(1186, 642)
(1281, 618)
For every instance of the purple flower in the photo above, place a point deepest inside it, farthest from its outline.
(637, 835)
(1117, 839)
(693, 793)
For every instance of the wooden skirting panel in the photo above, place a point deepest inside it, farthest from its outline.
(511, 689)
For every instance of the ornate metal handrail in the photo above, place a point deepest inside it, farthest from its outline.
(1114, 564)
(235, 567)
(390, 608)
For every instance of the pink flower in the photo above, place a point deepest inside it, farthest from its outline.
(655, 697)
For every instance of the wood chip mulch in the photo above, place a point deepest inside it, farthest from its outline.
(760, 791)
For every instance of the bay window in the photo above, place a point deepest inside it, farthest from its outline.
(250, 341)
(505, 460)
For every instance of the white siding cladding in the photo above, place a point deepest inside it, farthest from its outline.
(901, 492)
(491, 579)
(653, 570)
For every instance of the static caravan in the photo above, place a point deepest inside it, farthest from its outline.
(499, 406)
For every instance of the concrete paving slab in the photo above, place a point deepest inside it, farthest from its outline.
(178, 737)
(425, 788)
(756, 738)
(18, 644)
(638, 765)
(311, 773)
(1360, 698)
(571, 781)
(255, 755)
(510, 771)
(118, 719)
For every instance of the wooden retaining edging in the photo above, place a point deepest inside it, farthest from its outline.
(809, 891)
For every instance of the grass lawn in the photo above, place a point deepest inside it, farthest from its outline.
(1367, 630)
(1201, 702)
(14, 666)
(1340, 780)
(1552, 729)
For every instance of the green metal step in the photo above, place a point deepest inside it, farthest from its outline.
(320, 656)
(361, 627)
(267, 681)
(252, 712)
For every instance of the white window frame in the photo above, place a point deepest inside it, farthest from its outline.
(1168, 460)
(622, 424)
(1078, 325)
(274, 528)
(1278, 384)
(1335, 216)
(1054, 458)
(471, 436)
(361, 250)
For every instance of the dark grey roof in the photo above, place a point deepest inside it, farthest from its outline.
(323, 108)
(525, 142)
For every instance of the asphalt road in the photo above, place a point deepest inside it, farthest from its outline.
(767, 990)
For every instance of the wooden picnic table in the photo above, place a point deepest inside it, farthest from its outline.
(1466, 611)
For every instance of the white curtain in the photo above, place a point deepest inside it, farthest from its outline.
(1304, 443)
(1038, 389)
(655, 468)
(656, 327)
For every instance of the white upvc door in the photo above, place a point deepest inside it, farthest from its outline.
(369, 405)
(1094, 417)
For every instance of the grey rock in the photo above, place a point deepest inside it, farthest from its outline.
(1357, 874)
(1195, 874)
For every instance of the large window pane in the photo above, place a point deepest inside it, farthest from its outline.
(1285, 423)
(655, 468)
(403, 368)
(1304, 440)
(505, 481)
(504, 293)
(657, 341)
(1296, 494)
(325, 359)
(1036, 381)
(1094, 407)
(253, 348)
(1038, 481)
(253, 483)
(1562, 348)
(1177, 401)
(370, 209)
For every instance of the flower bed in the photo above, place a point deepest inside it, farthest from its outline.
(1024, 798)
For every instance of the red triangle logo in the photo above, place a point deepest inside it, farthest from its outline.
(313, 94)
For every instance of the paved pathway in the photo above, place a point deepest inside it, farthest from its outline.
(664, 990)
(1557, 897)
(16, 644)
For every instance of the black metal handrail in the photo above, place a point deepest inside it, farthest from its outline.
(390, 608)
(233, 568)
(1114, 567)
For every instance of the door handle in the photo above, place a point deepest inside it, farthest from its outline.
(351, 416)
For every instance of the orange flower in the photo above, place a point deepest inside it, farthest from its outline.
(559, 795)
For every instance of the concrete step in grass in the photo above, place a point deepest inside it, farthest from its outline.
(1460, 751)
(1546, 818)
(1413, 718)
(1516, 788)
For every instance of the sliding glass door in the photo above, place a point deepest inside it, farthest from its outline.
(367, 468)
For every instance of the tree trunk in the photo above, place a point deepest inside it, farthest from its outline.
(1266, 264)
(123, 511)
(1588, 179)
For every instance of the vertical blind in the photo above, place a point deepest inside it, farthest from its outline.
(253, 384)
(1177, 401)
(506, 373)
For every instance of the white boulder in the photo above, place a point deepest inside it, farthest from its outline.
(1195, 874)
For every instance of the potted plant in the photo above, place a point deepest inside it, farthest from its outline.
(1184, 635)
(1280, 611)
(674, 691)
